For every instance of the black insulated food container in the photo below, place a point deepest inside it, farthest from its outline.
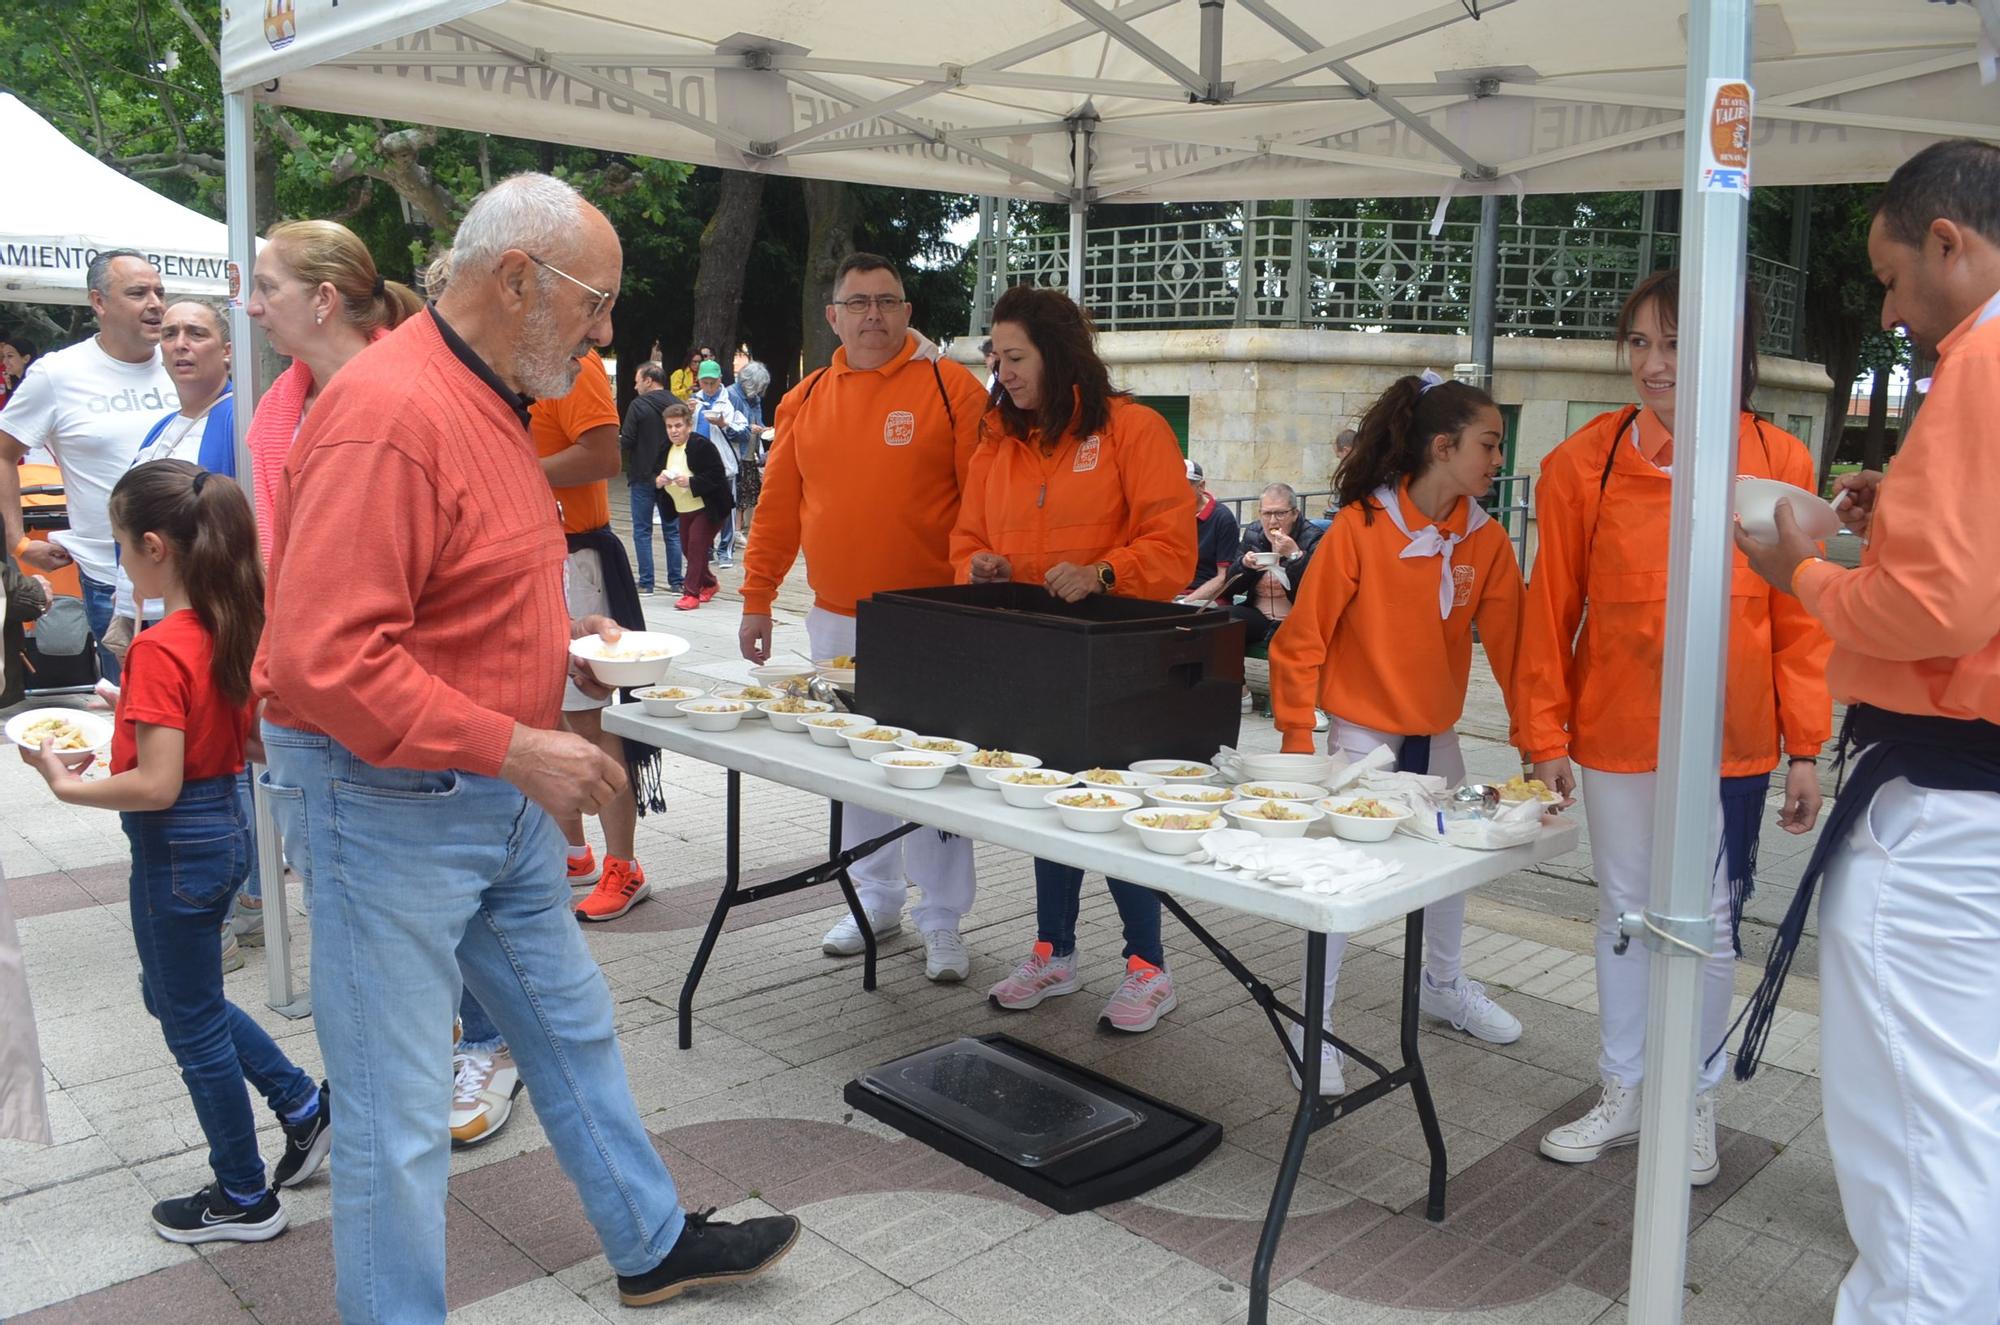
(1099, 683)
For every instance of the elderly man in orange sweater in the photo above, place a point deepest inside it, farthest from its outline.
(1910, 857)
(864, 477)
(412, 672)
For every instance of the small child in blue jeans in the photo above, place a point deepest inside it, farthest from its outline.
(180, 730)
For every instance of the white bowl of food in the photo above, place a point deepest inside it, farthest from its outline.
(939, 745)
(1029, 788)
(1172, 831)
(832, 728)
(838, 670)
(981, 765)
(1260, 560)
(913, 770)
(635, 658)
(1277, 791)
(1274, 818)
(789, 677)
(1191, 796)
(77, 735)
(666, 701)
(709, 714)
(1091, 809)
(1176, 770)
(789, 713)
(1364, 818)
(1118, 779)
(1757, 509)
(867, 742)
(753, 695)
(1315, 769)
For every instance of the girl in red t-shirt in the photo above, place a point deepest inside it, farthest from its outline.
(185, 535)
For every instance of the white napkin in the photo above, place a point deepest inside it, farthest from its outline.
(1511, 827)
(1317, 865)
(1350, 771)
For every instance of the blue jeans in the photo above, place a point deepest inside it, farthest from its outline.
(187, 862)
(476, 1031)
(98, 597)
(420, 880)
(725, 543)
(646, 500)
(1059, 893)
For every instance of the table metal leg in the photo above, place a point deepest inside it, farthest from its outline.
(1413, 1066)
(853, 900)
(733, 817)
(1312, 999)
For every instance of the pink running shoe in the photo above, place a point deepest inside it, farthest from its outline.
(1042, 975)
(1145, 997)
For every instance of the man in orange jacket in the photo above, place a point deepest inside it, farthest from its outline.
(864, 476)
(1909, 930)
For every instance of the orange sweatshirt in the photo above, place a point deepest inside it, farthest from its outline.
(864, 476)
(1119, 496)
(1596, 696)
(1365, 640)
(1916, 628)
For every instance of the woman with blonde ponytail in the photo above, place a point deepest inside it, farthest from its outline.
(319, 301)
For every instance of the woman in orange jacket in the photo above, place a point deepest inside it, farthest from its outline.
(1076, 488)
(1381, 635)
(1603, 511)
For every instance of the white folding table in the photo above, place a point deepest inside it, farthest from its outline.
(1431, 872)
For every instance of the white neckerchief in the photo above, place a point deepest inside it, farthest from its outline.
(1431, 541)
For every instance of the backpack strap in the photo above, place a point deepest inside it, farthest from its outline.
(1625, 420)
(951, 416)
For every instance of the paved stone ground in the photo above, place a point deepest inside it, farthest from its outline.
(752, 1119)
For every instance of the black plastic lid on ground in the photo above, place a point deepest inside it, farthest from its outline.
(1056, 1132)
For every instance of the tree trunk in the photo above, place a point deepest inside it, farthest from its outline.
(831, 215)
(725, 249)
(1840, 342)
(1875, 442)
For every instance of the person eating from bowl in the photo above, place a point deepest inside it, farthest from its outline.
(1382, 639)
(1276, 552)
(1603, 508)
(1081, 490)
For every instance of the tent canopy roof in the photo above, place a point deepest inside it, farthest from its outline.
(1182, 99)
(67, 206)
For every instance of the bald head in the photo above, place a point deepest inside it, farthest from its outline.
(535, 271)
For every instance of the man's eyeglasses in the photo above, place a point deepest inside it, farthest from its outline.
(1274, 515)
(881, 303)
(603, 299)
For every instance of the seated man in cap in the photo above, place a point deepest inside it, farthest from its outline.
(1216, 540)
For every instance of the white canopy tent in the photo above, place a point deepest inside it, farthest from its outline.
(66, 206)
(1080, 102)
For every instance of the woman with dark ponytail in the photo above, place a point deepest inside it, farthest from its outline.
(1380, 637)
(185, 536)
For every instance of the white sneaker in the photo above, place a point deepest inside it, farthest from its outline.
(945, 957)
(1332, 1065)
(1319, 721)
(1465, 1004)
(482, 1098)
(1613, 1121)
(1707, 1164)
(232, 951)
(844, 939)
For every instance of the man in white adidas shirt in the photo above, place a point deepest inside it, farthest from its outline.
(195, 345)
(91, 405)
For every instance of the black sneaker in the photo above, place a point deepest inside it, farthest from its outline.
(712, 1252)
(306, 1143)
(212, 1215)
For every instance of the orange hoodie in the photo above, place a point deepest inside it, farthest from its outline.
(864, 476)
(1596, 697)
(1365, 640)
(1917, 627)
(1119, 496)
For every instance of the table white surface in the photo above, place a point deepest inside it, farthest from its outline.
(1431, 871)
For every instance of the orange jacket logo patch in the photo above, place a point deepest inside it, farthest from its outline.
(900, 428)
(1086, 455)
(1461, 585)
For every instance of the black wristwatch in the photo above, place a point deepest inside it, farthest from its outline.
(1106, 577)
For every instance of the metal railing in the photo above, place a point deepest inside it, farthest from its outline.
(1353, 272)
(1507, 503)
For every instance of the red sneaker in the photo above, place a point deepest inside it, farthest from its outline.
(623, 887)
(583, 869)
(710, 592)
(688, 603)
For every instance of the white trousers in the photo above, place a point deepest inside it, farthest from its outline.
(1909, 966)
(1618, 808)
(1444, 921)
(938, 863)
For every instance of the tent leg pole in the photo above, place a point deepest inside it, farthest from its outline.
(1077, 214)
(1486, 288)
(1700, 556)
